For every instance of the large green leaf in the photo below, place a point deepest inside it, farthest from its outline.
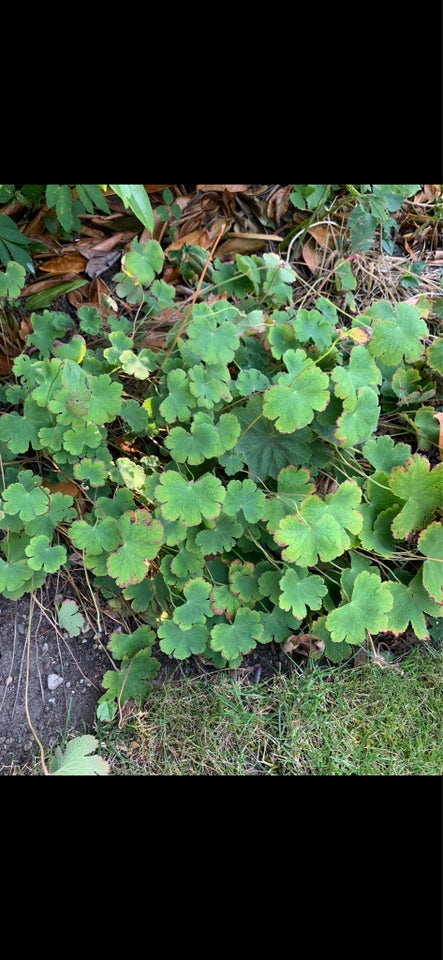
(142, 538)
(300, 591)
(265, 450)
(367, 610)
(134, 196)
(397, 332)
(319, 528)
(410, 603)
(239, 637)
(421, 489)
(292, 401)
(430, 543)
(76, 759)
(189, 500)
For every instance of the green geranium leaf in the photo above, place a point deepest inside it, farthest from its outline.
(434, 355)
(362, 371)
(358, 422)
(212, 337)
(206, 385)
(277, 625)
(263, 448)
(126, 645)
(182, 643)
(143, 261)
(430, 543)
(410, 603)
(104, 535)
(193, 447)
(197, 607)
(142, 538)
(300, 591)
(41, 554)
(128, 473)
(367, 610)
(70, 619)
(119, 343)
(186, 564)
(319, 528)
(60, 511)
(76, 759)
(12, 280)
(375, 534)
(302, 390)
(189, 500)
(421, 489)
(20, 432)
(139, 365)
(243, 581)
(383, 453)
(74, 350)
(94, 471)
(90, 320)
(27, 503)
(234, 639)
(47, 327)
(135, 416)
(397, 334)
(224, 602)
(12, 576)
(132, 680)
(243, 497)
(219, 537)
(316, 325)
(292, 487)
(82, 437)
(251, 381)
(179, 400)
(105, 402)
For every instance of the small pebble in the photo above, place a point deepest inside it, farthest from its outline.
(54, 681)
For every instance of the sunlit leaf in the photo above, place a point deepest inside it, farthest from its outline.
(420, 487)
(367, 610)
(430, 543)
(76, 759)
(70, 618)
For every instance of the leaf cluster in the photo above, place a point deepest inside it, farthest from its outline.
(269, 482)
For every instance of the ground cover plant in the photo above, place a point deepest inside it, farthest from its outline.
(269, 473)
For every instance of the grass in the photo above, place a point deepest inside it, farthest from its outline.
(367, 722)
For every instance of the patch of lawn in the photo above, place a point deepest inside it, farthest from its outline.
(367, 722)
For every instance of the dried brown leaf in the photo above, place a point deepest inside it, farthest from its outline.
(5, 364)
(68, 263)
(324, 235)
(429, 193)
(304, 643)
(310, 255)
(220, 188)
(240, 245)
(278, 204)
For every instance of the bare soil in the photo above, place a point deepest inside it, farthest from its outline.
(28, 668)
